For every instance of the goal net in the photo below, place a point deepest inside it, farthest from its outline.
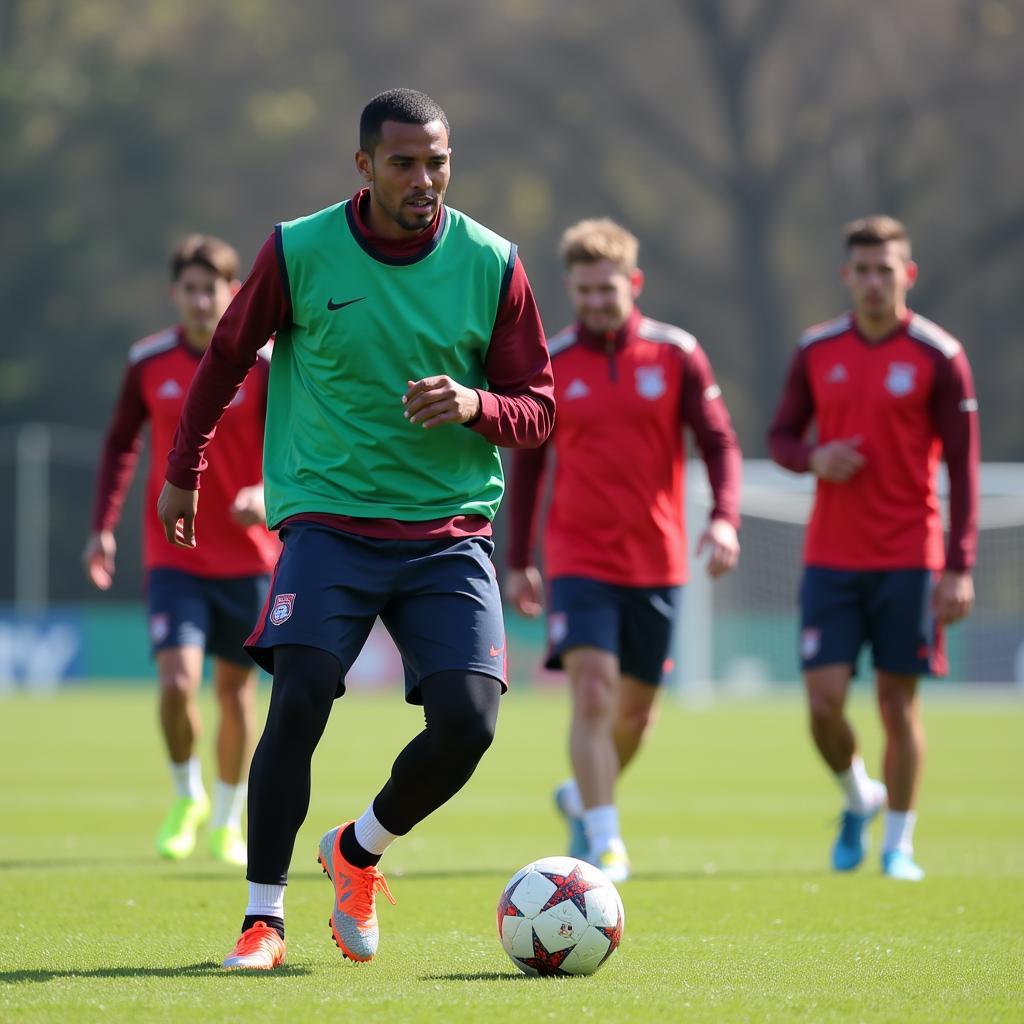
(740, 633)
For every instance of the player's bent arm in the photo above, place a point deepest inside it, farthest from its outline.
(787, 432)
(260, 308)
(249, 507)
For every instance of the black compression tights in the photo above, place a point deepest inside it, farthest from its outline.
(460, 709)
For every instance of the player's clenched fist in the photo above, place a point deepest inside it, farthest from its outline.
(838, 460)
(432, 401)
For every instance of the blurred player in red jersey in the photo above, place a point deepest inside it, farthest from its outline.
(890, 393)
(615, 539)
(196, 605)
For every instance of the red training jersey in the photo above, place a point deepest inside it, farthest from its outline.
(910, 398)
(159, 372)
(617, 511)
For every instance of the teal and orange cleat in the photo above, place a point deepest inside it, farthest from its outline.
(578, 846)
(900, 865)
(177, 836)
(227, 844)
(258, 948)
(354, 917)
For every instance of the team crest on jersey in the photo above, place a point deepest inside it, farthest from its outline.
(284, 605)
(810, 643)
(900, 380)
(159, 627)
(650, 381)
(169, 389)
(577, 389)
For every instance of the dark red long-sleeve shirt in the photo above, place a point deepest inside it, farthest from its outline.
(156, 379)
(517, 411)
(910, 399)
(617, 511)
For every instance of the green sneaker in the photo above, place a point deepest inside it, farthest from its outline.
(177, 836)
(226, 844)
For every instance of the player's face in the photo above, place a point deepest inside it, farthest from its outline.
(603, 294)
(201, 297)
(408, 174)
(878, 278)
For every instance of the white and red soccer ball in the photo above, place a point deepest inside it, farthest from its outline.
(560, 915)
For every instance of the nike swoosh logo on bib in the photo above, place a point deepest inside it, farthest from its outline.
(332, 305)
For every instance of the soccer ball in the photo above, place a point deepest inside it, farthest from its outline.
(560, 915)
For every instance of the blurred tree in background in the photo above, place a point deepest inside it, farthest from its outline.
(733, 136)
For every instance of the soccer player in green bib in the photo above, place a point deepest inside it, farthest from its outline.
(408, 349)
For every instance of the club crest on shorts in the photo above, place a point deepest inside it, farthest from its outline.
(284, 605)
(650, 381)
(810, 643)
(159, 627)
(558, 627)
(900, 380)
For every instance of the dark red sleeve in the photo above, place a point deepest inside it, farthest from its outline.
(261, 306)
(703, 408)
(526, 484)
(120, 453)
(519, 409)
(955, 415)
(787, 443)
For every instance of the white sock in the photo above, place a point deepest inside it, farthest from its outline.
(602, 826)
(188, 778)
(265, 900)
(862, 792)
(899, 831)
(228, 804)
(371, 835)
(572, 802)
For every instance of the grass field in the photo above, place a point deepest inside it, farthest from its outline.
(731, 915)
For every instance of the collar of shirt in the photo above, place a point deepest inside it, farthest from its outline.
(610, 341)
(390, 247)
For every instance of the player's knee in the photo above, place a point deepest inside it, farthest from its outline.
(823, 705)
(176, 687)
(594, 698)
(897, 713)
(466, 735)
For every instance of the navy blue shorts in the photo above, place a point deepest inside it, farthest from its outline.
(193, 611)
(635, 623)
(438, 599)
(889, 609)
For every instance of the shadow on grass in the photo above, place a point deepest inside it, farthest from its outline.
(477, 976)
(208, 968)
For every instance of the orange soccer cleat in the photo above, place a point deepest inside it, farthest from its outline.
(258, 948)
(354, 918)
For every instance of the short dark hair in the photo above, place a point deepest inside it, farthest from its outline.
(205, 251)
(876, 230)
(407, 106)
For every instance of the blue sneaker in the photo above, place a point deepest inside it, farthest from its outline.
(852, 843)
(578, 845)
(897, 864)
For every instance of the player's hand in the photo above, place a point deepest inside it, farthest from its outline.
(724, 546)
(837, 461)
(248, 508)
(953, 597)
(98, 558)
(176, 509)
(432, 401)
(524, 589)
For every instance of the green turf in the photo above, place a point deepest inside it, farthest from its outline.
(731, 915)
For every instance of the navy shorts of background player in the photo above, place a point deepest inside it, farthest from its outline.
(438, 599)
(841, 610)
(195, 611)
(635, 623)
